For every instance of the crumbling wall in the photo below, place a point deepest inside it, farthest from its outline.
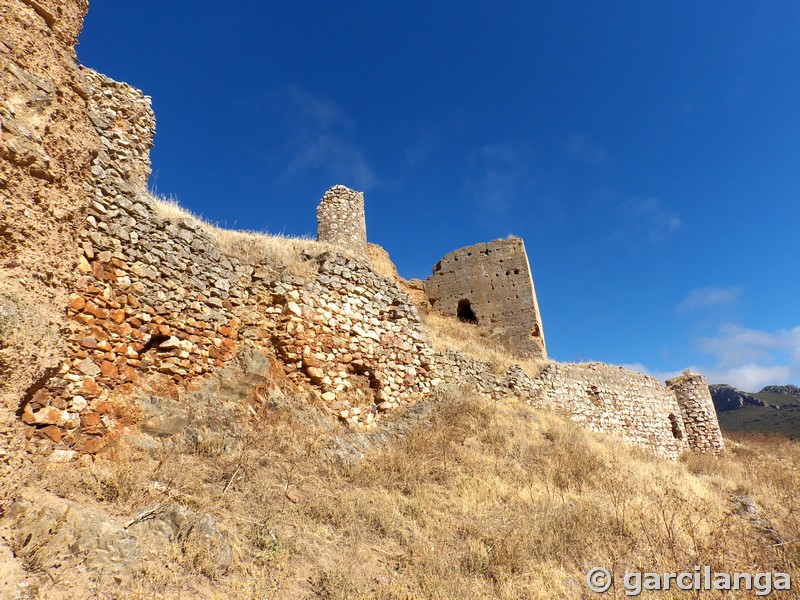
(603, 398)
(355, 336)
(490, 285)
(610, 399)
(341, 220)
(156, 305)
(46, 147)
(699, 416)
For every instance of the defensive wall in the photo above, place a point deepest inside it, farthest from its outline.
(153, 303)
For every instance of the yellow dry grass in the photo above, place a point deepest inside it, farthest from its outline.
(251, 247)
(448, 333)
(485, 499)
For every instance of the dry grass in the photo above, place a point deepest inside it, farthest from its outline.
(448, 333)
(486, 499)
(292, 254)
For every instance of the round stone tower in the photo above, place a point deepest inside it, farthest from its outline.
(341, 220)
(697, 409)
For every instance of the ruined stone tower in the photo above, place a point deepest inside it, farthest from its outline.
(341, 220)
(697, 409)
(490, 285)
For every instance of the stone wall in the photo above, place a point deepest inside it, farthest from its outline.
(610, 399)
(491, 285)
(603, 398)
(341, 220)
(355, 336)
(141, 303)
(158, 306)
(699, 416)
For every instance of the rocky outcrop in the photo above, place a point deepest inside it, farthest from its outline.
(727, 397)
(787, 390)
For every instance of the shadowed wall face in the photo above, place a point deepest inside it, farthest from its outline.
(341, 220)
(490, 285)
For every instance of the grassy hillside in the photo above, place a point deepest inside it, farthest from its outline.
(479, 499)
(764, 419)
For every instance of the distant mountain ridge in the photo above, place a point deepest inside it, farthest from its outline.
(775, 409)
(726, 397)
(787, 390)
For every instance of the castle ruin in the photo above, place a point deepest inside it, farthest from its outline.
(154, 303)
(697, 412)
(341, 220)
(490, 285)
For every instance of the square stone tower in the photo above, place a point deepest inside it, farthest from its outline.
(341, 220)
(490, 285)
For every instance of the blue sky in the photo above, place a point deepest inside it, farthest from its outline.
(648, 153)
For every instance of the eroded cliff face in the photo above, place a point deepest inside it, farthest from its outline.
(47, 144)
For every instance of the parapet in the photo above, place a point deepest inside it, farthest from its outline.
(490, 285)
(341, 220)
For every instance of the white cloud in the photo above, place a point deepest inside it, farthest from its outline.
(751, 377)
(321, 138)
(746, 358)
(707, 297)
(648, 219)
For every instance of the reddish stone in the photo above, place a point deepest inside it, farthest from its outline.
(225, 330)
(92, 445)
(98, 271)
(49, 415)
(89, 342)
(96, 311)
(133, 302)
(109, 370)
(134, 322)
(40, 398)
(90, 389)
(129, 374)
(77, 303)
(27, 418)
(52, 432)
(214, 353)
(229, 344)
(122, 330)
(91, 419)
(164, 330)
(84, 319)
(118, 316)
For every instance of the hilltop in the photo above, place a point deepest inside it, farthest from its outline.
(193, 410)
